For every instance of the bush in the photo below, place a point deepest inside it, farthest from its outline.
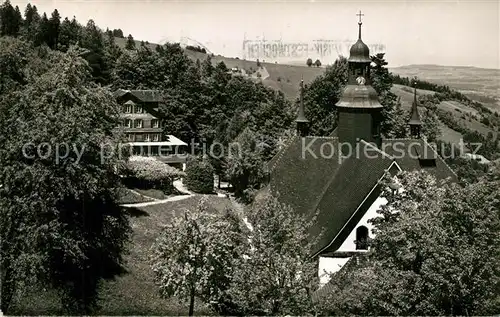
(200, 177)
(147, 172)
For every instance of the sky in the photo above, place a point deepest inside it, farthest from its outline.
(454, 33)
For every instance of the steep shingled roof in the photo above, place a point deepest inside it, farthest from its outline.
(337, 190)
(411, 155)
(140, 95)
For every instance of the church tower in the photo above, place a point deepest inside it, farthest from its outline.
(415, 123)
(301, 121)
(359, 111)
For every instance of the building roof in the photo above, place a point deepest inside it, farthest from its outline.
(301, 116)
(338, 190)
(415, 117)
(143, 96)
(359, 96)
(172, 141)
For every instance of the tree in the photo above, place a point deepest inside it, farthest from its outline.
(118, 33)
(53, 29)
(309, 62)
(430, 124)
(60, 219)
(321, 96)
(200, 176)
(130, 43)
(434, 252)
(399, 122)
(317, 63)
(245, 165)
(382, 83)
(11, 19)
(195, 254)
(276, 275)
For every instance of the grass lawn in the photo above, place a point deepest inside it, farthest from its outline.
(154, 193)
(129, 197)
(134, 293)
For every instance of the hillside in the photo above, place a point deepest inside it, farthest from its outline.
(479, 84)
(285, 78)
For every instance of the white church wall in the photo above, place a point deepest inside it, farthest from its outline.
(349, 244)
(330, 265)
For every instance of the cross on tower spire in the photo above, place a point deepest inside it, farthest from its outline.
(360, 15)
(359, 23)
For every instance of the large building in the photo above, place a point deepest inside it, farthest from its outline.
(142, 124)
(337, 178)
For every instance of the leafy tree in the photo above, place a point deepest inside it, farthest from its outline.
(207, 67)
(200, 176)
(130, 43)
(53, 29)
(148, 172)
(195, 254)
(31, 22)
(309, 62)
(382, 83)
(245, 165)
(118, 33)
(430, 124)
(399, 122)
(59, 216)
(276, 275)
(434, 253)
(321, 96)
(317, 63)
(11, 19)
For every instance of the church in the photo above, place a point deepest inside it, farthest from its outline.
(337, 178)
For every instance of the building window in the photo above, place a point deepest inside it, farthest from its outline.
(128, 123)
(362, 238)
(138, 109)
(155, 123)
(156, 137)
(138, 123)
(147, 138)
(128, 109)
(131, 137)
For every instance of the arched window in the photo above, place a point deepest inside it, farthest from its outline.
(362, 238)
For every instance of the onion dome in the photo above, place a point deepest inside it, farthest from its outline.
(359, 53)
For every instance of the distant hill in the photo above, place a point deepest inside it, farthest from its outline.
(480, 84)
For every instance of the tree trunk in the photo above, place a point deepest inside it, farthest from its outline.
(191, 302)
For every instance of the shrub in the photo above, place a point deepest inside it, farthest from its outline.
(200, 176)
(148, 172)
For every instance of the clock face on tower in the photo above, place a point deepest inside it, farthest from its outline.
(360, 80)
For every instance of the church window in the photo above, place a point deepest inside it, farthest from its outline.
(362, 238)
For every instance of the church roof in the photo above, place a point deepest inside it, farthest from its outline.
(337, 190)
(415, 117)
(359, 96)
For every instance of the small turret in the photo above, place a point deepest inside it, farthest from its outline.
(415, 122)
(302, 122)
